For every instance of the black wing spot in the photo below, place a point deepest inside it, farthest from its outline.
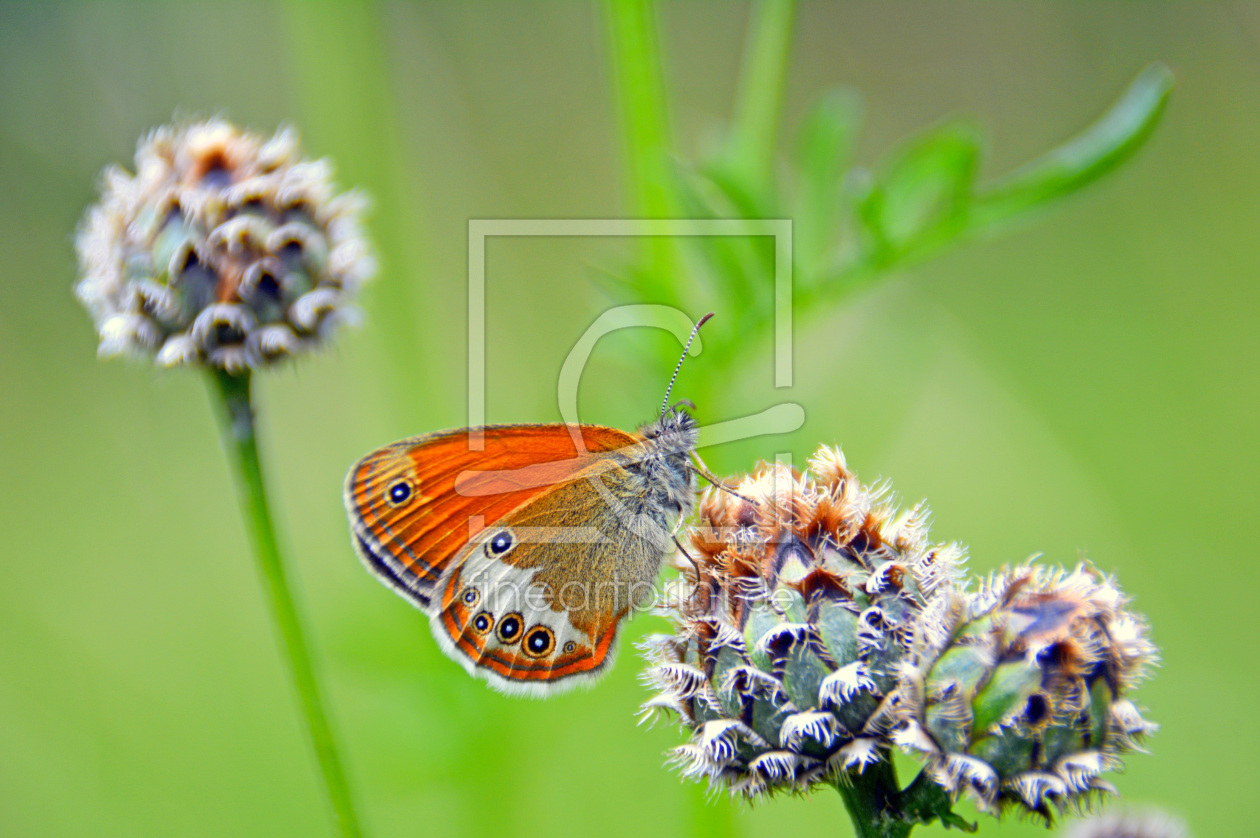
(483, 622)
(539, 641)
(398, 493)
(499, 543)
(510, 629)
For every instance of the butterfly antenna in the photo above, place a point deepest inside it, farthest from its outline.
(686, 349)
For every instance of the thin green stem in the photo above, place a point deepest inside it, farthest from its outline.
(234, 410)
(639, 90)
(760, 96)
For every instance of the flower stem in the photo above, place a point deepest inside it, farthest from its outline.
(867, 796)
(879, 810)
(638, 75)
(234, 410)
(760, 95)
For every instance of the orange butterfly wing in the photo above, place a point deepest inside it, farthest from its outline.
(408, 516)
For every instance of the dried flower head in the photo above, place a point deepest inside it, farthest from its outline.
(804, 596)
(1023, 699)
(224, 248)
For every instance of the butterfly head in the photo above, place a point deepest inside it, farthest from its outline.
(676, 431)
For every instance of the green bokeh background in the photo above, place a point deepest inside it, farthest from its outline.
(1086, 385)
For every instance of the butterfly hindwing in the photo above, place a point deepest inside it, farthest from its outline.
(535, 601)
(501, 625)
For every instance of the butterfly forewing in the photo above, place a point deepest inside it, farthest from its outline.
(407, 517)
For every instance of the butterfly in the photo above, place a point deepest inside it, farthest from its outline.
(527, 545)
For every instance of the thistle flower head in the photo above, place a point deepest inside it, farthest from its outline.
(224, 248)
(1024, 700)
(816, 628)
(799, 605)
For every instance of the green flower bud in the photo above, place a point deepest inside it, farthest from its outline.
(802, 598)
(224, 248)
(1022, 700)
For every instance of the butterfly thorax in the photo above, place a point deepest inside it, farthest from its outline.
(669, 443)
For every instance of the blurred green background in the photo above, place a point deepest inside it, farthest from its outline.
(1085, 385)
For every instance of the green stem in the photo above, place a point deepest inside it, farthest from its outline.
(234, 409)
(760, 95)
(639, 89)
(879, 810)
(868, 797)
(924, 801)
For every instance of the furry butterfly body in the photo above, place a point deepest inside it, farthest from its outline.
(526, 545)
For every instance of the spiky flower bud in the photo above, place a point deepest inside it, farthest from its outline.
(804, 596)
(817, 629)
(1023, 699)
(224, 248)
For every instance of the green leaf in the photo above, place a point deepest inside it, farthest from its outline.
(736, 188)
(824, 148)
(921, 197)
(1114, 138)
(742, 268)
(750, 153)
(953, 821)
